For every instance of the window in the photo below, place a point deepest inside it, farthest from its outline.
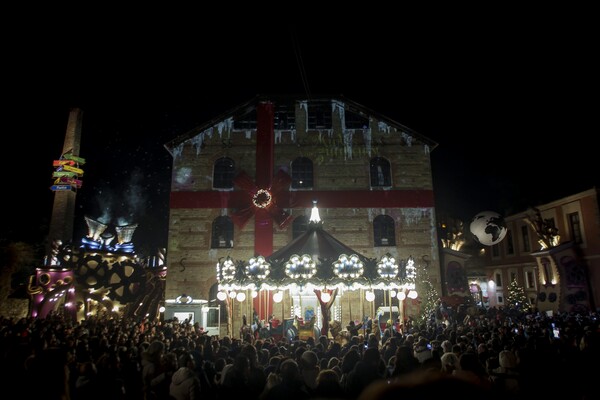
(500, 299)
(354, 120)
(530, 279)
(299, 226)
(319, 115)
(384, 233)
(513, 276)
(575, 227)
(223, 173)
(285, 117)
(498, 279)
(510, 246)
(381, 175)
(548, 274)
(532, 301)
(525, 237)
(302, 173)
(495, 250)
(222, 233)
(246, 122)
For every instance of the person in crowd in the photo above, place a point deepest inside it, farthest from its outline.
(151, 366)
(354, 328)
(185, 384)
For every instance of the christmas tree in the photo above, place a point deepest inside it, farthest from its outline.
(516, 299)
(428, 295)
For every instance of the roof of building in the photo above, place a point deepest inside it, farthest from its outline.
(317, 258)
(247, 107)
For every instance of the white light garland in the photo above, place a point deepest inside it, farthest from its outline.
(300, 267)
(258, 268)
(387, 267)
(228, 269)
(348, 267)
(411, 273)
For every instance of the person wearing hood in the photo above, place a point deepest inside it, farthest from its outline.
(185, 384)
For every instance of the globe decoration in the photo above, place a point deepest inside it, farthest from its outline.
(488, 228)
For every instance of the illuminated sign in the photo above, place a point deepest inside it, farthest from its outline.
(68, 181)
(58, 163)
(78, 171)
(66, 173)
(78, 160)
(59, 188)
(60, 174)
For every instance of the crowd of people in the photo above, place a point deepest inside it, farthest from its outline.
(493, 352)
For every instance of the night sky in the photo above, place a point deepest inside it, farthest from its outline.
(512, 103)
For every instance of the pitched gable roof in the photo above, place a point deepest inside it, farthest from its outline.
(243, 109)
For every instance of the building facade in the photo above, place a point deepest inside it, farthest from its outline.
(555, 277)
(243, 185)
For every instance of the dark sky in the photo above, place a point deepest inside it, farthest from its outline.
(512, 101)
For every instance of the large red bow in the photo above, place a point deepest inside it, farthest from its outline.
(262, 199)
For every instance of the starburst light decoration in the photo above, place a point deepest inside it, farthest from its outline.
(300, 267)
(411, 273)
(258, 268)
(387, 267)
(348, 267)
(226, 270)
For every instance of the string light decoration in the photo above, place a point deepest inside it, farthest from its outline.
(226, 270)
(258, 268)
(348, 267)
(262, 198)
(411, 273)
(387, 267)
(184, 299)
(300, 267)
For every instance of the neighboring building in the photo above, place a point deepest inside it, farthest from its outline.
(243, 185)
(555, 276)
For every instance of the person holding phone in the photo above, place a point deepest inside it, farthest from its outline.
(422, 349)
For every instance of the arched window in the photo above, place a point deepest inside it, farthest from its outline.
(302, 173)
(222, 233)
(381, 175)
(299, 226)
(384, 232)
(223, 173)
